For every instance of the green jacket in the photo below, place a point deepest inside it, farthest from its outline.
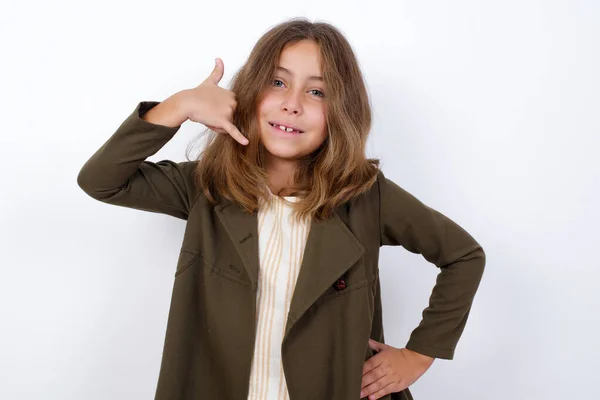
(210, 334)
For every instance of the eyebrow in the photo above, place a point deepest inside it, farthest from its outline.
(313, 78)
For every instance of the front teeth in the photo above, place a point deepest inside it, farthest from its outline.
(283, 128)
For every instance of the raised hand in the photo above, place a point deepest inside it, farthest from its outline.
(212, 105)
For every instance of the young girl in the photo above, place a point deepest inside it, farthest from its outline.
(276, 291)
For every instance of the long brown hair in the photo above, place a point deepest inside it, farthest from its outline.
(333, 174)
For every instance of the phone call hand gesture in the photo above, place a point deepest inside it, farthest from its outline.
(213, 106)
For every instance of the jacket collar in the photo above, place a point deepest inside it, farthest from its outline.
(331, 249)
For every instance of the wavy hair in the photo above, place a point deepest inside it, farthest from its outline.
(333, 174)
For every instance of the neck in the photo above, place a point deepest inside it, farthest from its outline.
(281, 175)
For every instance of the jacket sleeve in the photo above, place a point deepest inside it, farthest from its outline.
(118, 173)
(405, 221)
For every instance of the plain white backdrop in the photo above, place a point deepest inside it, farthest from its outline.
(487, 111)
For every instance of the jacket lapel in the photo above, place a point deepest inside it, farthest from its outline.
(331, 249)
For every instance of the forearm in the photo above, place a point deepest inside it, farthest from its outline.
(445, 318)
(111, 166)
(408, 222)
(170, 112)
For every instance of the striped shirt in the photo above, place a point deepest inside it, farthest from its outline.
(281, 247)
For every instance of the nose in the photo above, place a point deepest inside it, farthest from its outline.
(291, 103)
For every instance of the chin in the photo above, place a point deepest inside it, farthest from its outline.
(289, 147)
(283, 151)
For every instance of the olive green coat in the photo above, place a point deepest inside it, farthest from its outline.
(211, 325)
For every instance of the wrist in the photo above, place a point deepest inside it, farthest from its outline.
(180, 104)
(421, 356)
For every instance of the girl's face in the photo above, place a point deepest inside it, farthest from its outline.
(295, 100)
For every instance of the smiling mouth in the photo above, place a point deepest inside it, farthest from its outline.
(285, 128)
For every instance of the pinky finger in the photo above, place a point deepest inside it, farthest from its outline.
(235, 133)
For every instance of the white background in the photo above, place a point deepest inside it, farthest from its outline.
(486, 111)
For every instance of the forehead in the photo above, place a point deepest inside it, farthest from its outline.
(302, 58)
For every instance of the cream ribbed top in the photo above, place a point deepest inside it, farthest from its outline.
(281, 247)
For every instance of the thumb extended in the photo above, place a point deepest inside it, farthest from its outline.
(217, 72)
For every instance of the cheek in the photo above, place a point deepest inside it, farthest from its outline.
(267, 105)
(319, 121)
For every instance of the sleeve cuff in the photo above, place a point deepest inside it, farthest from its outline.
(142, 108)
(431, 351)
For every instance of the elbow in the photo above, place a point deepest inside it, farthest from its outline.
(474, 258)
(477, 256)
(482, 260)
(84, 181)
(478, 260)
(88, 183)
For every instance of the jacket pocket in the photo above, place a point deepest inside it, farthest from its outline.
(230, 268)
(186, 260)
